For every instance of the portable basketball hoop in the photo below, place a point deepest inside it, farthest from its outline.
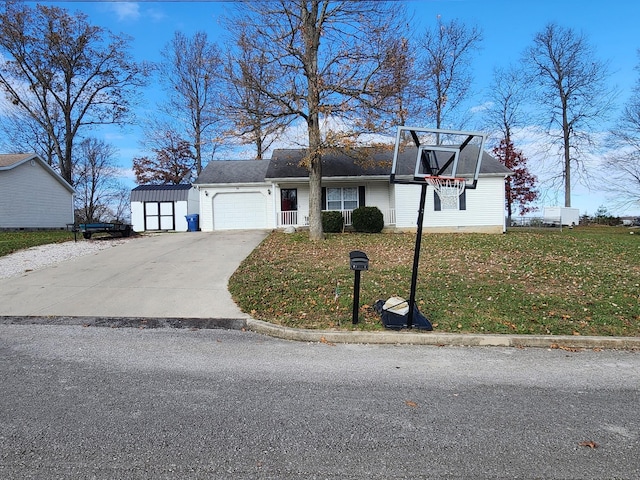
(448, 189)
(449, 161)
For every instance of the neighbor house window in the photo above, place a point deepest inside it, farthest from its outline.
(342, 198)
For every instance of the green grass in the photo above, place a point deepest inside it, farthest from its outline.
(583, 281)
(11, 241)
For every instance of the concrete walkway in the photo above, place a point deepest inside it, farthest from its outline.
(181, 275)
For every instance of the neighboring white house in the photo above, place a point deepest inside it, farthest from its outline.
(32, 194)
(163, 207)
(274, 193)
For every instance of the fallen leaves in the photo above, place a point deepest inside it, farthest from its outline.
(411, 404)
(555, 346)
(589, 443)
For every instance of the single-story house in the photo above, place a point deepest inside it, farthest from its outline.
(32, 194)
(274, 193)
(163, 207)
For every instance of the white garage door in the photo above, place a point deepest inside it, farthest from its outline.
(233, 211)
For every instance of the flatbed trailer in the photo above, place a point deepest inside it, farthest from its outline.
(88, 229)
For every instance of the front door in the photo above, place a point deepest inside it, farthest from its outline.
(289, 206)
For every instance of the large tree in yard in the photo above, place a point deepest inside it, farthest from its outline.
(571, 89)
(330, 57)
(64, 73)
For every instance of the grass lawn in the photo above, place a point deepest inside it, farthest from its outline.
(582, 281)
(12, 241)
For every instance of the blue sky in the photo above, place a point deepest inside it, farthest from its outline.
(508, 28)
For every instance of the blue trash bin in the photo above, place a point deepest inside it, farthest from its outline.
(192, 222)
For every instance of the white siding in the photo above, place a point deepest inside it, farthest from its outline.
(377, 195)
(31, 197)
(484, 208)
(137, 216)
(180, 210)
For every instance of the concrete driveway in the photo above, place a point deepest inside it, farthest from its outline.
(172, 275)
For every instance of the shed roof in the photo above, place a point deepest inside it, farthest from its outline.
(161, 193)
(233, 171)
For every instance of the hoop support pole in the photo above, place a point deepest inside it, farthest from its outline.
(416, 257)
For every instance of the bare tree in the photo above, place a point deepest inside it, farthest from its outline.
(192, 71)
(65, 73)
(329, 55)
(96, 180)
(443, 67)
(572, 92)
(508, 96)
(623, 163)
(255, 118)
(21, 133)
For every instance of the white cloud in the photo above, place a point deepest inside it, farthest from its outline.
(126, 11)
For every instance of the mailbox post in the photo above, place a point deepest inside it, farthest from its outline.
(358, 262)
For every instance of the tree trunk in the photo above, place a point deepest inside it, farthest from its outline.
(566, 130)
(311, 34)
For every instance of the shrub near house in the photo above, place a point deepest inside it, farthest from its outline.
(367, 220)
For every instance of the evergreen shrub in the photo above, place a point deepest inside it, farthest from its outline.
(367, 220)
(332, 222)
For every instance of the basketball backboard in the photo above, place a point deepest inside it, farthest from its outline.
(422, 152)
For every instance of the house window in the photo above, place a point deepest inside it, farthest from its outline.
(342, 198)
(462, 202)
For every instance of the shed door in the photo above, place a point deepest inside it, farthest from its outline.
(242, 210)
(159, 216)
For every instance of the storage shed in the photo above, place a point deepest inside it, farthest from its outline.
(33, 195)
(163, 207)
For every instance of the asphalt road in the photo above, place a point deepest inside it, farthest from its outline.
(111, 403)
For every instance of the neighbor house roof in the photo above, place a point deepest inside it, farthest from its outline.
(160, 193)
(10, 161)
(233, 171)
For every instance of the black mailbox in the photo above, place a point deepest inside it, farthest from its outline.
(359, 260)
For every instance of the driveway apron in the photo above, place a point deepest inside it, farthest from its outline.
(170, 275)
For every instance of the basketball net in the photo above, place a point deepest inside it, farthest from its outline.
(448, 189)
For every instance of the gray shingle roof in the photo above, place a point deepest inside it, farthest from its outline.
(233, 171)
(160, 193)
(286, 164)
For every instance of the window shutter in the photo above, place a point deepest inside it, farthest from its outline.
(462, 202)
(323, 202)
(361, 196)
(437, 206)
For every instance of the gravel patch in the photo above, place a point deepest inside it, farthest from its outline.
(35, 258)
